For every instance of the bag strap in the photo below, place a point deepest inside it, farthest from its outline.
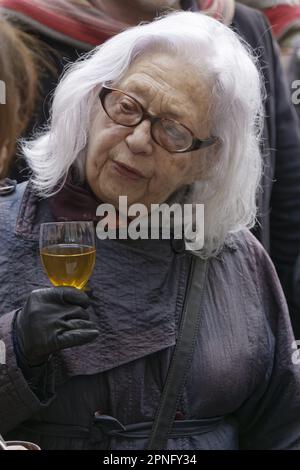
(182, 356)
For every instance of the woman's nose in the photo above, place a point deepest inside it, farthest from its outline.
(139, 140)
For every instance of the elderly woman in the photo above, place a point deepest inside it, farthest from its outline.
(168, 111)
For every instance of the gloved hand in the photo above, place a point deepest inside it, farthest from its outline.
(53, 319)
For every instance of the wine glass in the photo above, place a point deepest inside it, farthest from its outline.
(68, 252)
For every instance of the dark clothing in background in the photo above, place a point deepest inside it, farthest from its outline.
(243, 385)
(293, 72)
(279, 201)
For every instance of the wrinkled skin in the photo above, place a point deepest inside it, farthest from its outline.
(156, 80)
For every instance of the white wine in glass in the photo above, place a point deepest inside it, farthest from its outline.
(68, 252)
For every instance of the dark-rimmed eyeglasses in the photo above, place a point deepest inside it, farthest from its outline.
(171, 135)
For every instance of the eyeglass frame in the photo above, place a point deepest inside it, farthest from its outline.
(196, 143)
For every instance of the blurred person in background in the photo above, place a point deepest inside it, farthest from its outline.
(284, 18)
(19, 82)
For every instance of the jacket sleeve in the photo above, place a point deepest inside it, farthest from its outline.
(18, 402)
(270, 417)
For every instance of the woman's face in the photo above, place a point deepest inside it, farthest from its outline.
(125, 161)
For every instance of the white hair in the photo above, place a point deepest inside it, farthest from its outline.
(229, 193)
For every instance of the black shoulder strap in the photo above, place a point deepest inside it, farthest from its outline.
(182, 356)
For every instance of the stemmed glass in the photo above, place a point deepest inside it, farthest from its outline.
(68, 252)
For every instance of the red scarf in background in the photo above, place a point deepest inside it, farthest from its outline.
(82, 24)
(221, 10)
(283, 15)
(75, 22)
(283, 19)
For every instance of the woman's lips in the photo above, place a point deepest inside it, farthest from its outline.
(127, 171)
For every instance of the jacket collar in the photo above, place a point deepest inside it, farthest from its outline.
(32, 212)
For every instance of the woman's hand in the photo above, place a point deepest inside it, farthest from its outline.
(53, 319)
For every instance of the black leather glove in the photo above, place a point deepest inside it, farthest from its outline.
(53, 319)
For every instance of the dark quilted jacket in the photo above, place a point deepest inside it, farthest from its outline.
(242, 389)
